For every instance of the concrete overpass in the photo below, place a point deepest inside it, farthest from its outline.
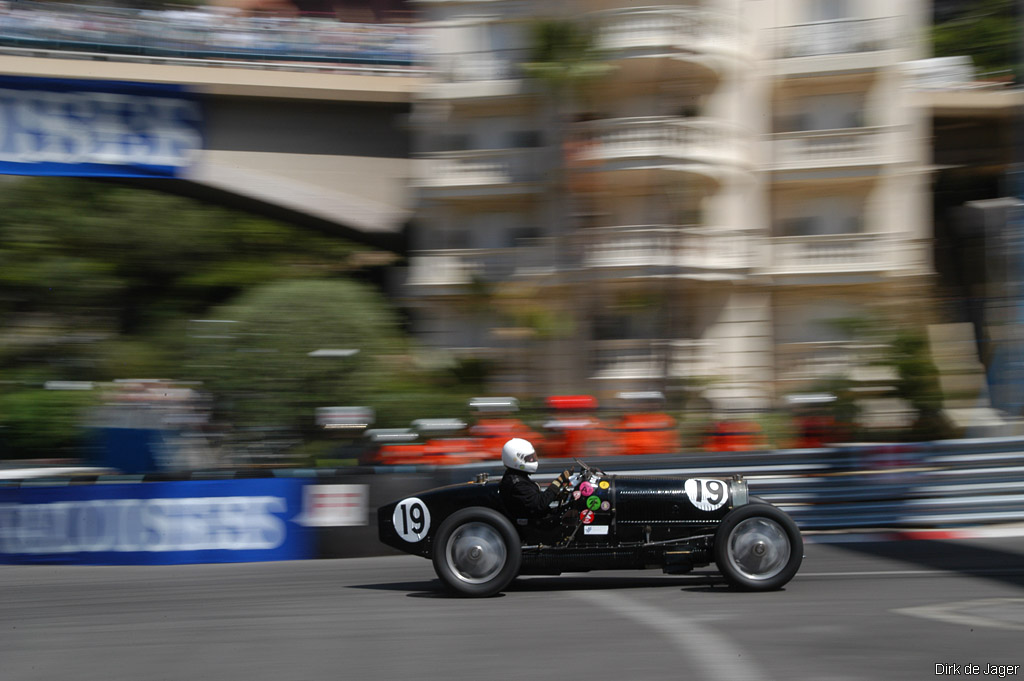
(327, 147)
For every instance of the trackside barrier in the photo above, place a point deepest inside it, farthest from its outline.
(922, 485)
(154, 523)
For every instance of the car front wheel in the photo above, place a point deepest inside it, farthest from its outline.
(758, 548)
(477, 552)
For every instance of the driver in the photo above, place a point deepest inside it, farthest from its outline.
(522, 495)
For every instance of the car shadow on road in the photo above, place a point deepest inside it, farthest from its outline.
(948, 556)
(568, 582)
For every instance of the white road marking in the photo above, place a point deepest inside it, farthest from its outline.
(716, 656)
(953, 613)
(935, 573)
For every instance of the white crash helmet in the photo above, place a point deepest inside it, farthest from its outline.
(519, 455)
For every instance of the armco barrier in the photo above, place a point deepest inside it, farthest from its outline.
(927, 485)
(921, 485)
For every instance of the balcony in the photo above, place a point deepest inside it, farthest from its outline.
(829, 46)
(690, 252)
(831, 253)
(815, 361)
(651, 359)
(667, 42)
(835, 148)
(435, 270)
(631, 150)
(480, 173)
(477, 76)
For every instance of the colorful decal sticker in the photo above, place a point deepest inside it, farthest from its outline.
(586, 489)
(605, 505)
(593, 503)
(604, 484)
(595, 529)
(587, 517)
(411, 519)
(707, 494)
(576, 494)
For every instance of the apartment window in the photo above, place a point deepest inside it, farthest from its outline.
(827, 10)
(525, 139)
(458, 142)
(822, 217)
(689, 110)
(456, 239)
(823, 112)
(519, 236)
(635, 324)
(797, 227)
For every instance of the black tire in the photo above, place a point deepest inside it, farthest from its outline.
(758, 548)
(477, 552)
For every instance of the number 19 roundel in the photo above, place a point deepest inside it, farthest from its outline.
(411, 519)
(705, 494)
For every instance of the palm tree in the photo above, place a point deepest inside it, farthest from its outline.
(564, 61)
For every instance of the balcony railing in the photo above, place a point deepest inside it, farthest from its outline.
(819, 360)
(830, 253)
(656, 250)
(458, 267)
(665, 248)
(480, 66)
(667, 29)
(828, 148)
(669, 137)
(846, 36)
(651, 359)
(480, 168)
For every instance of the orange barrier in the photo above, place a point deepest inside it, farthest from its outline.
(735, 436)
(647, 433)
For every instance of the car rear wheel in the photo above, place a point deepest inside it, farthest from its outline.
(477, 552)
(758, 548)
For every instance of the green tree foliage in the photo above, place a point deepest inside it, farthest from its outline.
(40, 423)
(908, 354)
(989, 31)
(124, 259)
(259, 357)
(100, 281)
(259, 360)
(919, 384)
(563, 55)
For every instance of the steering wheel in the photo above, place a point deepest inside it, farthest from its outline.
(563, 496)
(588, 469)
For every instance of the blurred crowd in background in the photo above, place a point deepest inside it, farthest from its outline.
(208, 32)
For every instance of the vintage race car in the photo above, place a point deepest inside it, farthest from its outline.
(599, 522)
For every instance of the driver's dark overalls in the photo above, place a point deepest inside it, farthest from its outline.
(523, 497)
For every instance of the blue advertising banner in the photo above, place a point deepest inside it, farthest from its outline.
(54, 126)
(155, 523)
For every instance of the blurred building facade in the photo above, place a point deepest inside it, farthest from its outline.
(746, 173)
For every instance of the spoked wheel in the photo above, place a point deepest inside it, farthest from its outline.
(477, 552)
(758, 548)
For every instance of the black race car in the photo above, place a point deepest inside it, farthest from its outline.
(599, 522)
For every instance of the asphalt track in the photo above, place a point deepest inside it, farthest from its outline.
(855, 611)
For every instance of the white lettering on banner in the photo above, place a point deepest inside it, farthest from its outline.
(98, 127)
(334, 506)
(129, 525)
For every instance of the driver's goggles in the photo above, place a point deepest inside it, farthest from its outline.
(530, 458)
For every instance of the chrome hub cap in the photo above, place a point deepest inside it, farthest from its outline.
(759, 548)
(475, 553)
